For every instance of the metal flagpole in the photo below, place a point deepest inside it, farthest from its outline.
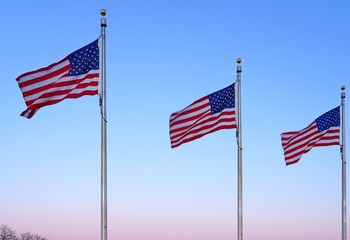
(343, 155)
(239, 158)
(103, 129)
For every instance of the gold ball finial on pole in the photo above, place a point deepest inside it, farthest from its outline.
(103, 19)
(239, 68)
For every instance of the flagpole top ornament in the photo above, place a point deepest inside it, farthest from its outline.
(343, 88)
(239, 68)
(103, 19)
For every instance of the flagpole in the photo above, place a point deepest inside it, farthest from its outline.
(239, 157)
(343, 155)
(103, 129)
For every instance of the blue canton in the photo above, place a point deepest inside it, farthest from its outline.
(329, 119)
(84, 59)
(222, 99)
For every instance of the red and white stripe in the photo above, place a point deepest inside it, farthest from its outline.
(296, 143)
(52, 84)
(196, 121)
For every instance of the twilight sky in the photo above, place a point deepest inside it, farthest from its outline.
(161, 56)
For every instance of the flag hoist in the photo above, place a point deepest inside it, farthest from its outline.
(239, 153)
(103, 129)
(216, 111)
(343, 157)
(76, 75)
(324, 131)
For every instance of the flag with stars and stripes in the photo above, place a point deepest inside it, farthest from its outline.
(74, 76)
(324, 131)
(206, 115)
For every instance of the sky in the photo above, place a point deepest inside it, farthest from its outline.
(161, 56)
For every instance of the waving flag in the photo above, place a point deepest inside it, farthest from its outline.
(324, 131)
(206, 115)
(74, 76)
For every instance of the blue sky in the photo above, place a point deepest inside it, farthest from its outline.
(161, 56)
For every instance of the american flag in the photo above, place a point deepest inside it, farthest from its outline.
(324, 131)
(74, 76)
(206, 115)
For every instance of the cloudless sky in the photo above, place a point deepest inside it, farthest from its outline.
(161, 56)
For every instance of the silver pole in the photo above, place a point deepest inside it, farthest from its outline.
(239, 143)
(103, 130)
(343, 154)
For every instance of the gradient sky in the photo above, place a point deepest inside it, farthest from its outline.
(161, 56)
